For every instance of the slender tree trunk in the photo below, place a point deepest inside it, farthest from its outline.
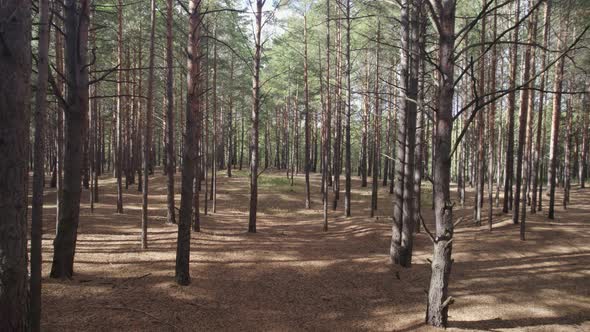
(169, 143)
(39, 173)
(567, 152)
(511, 106)
(255, 119)
(119, 143)
(583, 166)
(365, 125)
(326, 125)
(524, 107)
(537, 156)
(147, 129)
(492, 121)
(481, 129)
(376, 130)
(554, 143)
(59, 63)
(347, 195)
(306, 91)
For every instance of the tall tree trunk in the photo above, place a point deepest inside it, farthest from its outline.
(307, 142)
(214, 145)
(438, 298)
(567, 151)
(583, 166)
(169, 143)
(119, 143)
(492, 120)
(183, 246)
(39, 172)
(255, 119)
(538, 160)
(326, 124)
(376, 130)
(147, 129)
(59, 63)
(396, 251)
(524, 107)
(511, 106)
(554, 141)
(347, 195)
(337, 161)
(76, 108)
(480, 128)
(15, 70)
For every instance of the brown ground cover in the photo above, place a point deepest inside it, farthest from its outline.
(292, 276)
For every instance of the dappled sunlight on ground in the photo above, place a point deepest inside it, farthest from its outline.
(292, 276)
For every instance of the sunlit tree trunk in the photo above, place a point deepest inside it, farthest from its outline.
(554, 140)
(438, 298)
(509, 160)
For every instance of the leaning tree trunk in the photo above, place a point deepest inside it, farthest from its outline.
(438, 298)
(15, 70)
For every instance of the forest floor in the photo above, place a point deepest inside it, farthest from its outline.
(292, 276)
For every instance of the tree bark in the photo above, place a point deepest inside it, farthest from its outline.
(509, 160)
(554, 141)
(39, 172)
(15, 70)
(76, 109)
(170, 156)
(255, 119)
(438, 298)
(348, 184)
(147, 130)
(190, 152)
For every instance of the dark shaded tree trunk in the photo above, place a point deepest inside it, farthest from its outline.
(15, 70)
(76, 109)
(255, 120)
(38, 169)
